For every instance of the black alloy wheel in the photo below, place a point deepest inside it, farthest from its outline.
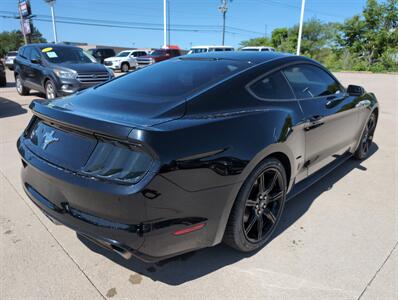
(367, 138)
(258, 208)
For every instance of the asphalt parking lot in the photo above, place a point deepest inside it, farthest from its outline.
(337, 240)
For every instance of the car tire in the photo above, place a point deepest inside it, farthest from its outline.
(50, 89)
(21, 89)
(125, 67)
(259, 204)
(3, 81)
(366, 141)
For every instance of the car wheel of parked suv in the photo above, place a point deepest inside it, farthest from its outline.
(258, 207)
(51, 92)
(20, 87)
(125, 67)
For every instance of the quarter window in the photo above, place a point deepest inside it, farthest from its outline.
(272, 87)
(26, 52)
(309, 81)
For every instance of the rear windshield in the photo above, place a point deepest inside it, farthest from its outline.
(173, 78)
(59, 55)
(12, 53)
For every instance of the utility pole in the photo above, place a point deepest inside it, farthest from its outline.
(301, 27)
(168, 22)
(164, 23)
(52, 3)
(22, 25)
(223, 9)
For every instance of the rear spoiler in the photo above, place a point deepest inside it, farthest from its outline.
(56, 115)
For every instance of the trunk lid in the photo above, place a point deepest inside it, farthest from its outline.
(64, 148)
(112, 115)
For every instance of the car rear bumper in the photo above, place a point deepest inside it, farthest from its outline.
(141, 222)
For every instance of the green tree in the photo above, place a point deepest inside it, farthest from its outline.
(372, 38)
(261, 41)
(12, 40)
(368, 41)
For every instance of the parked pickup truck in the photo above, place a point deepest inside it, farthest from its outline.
(156, 56)
(125, 60)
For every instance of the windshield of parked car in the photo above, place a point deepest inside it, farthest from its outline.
(58, 55)
(172, 79)
(123, 54)
(158, 52)
(249, 49)
(90, 56)
(12, 53)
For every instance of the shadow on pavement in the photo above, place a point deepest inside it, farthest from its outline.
(10, 108)
(190, 266)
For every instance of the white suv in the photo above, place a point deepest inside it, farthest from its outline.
(124, 60)
(204, 49)
(258, 48)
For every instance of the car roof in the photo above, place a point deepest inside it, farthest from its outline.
(50, 45)
(210, 46)
(253, 57)
(257, 47)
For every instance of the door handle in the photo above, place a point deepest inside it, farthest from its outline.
(314, 122)
(315, 118)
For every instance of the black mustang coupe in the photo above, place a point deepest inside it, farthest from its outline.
(192, 151)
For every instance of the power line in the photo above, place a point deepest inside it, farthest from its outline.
(135, 25)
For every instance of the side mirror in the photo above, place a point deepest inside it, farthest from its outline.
(36, 61)
(355, 90)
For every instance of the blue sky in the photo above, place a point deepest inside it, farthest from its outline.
(245, 19)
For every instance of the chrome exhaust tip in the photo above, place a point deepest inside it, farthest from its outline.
(122, 252)
(110, 246)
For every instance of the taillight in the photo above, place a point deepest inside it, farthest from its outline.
(118, 162)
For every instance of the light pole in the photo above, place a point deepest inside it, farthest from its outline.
(52, 3)
(300, 27)
(223, 9)
(164, 23)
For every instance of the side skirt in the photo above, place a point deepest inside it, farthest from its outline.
(306, 183)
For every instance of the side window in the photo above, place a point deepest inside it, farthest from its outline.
(265, 49)
(309, 81)
(272, 87)
(35, 54)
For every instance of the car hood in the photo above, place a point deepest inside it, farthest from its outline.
(114, 115)
(83, 68)
(114, 58)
